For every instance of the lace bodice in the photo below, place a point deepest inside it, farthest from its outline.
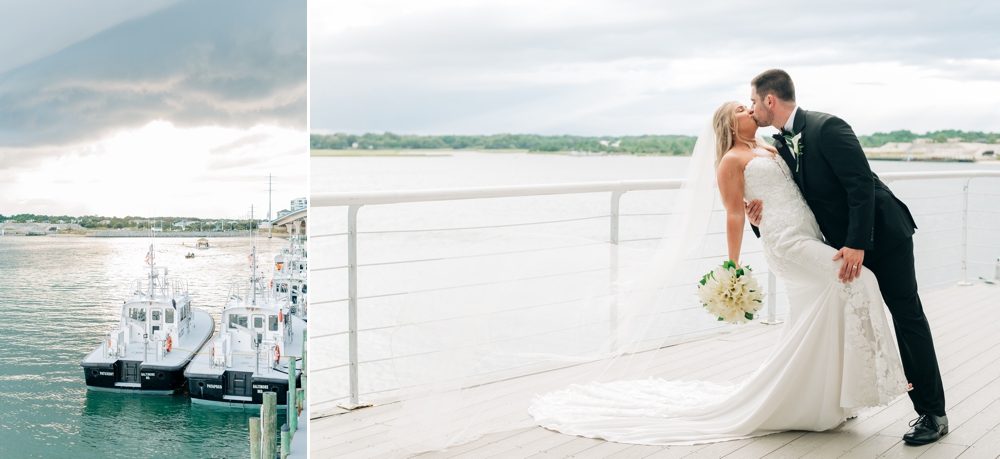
(785, 215)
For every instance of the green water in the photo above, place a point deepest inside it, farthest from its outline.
(59, 296)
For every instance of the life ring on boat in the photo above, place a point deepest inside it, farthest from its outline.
(272, 283)
(277, 353)
(170, 343)
(109, 343)
(279, 317)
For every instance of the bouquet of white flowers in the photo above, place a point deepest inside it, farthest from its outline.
(730, 293)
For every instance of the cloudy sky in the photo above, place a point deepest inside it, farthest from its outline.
(162, 107)
(591, 67)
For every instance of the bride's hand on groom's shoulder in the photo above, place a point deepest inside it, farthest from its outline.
(753, 209)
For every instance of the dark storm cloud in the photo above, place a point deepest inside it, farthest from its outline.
(230, 64)
(468, 70)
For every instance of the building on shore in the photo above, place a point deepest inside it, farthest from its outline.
(954, 150)
(37, 229)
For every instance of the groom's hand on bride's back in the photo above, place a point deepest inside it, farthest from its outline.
(753, 209)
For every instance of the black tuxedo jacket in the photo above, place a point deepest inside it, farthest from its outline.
(852, 206)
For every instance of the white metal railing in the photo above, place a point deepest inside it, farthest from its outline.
(355, 200)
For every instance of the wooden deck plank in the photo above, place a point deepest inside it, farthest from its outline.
(966, 338)
(901, 450)
(969, 432)
(872, 447)
(602, 450)
(943, 451)
(987, 447)
(766, 445)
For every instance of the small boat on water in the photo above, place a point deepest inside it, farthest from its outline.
(201, 244)
(258, 334)
(291, 277)
(157, 336)
(189, 255)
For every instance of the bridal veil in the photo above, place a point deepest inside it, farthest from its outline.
(551, 307)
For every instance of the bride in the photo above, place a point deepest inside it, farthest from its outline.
(835, 357)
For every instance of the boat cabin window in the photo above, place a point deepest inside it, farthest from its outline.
(304, 288)
(272, 323)
(258, 322)
(154, 315)
(137, 314)
(237, 319)
(169, 316)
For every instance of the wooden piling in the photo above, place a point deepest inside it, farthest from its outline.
(269, 425)
(292, 399)
(255, 438)
(286, 441)
(305, 348)
(300, 394)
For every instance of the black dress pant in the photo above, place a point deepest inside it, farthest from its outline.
(898, 282)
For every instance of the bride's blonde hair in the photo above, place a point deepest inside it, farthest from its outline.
(726, 134)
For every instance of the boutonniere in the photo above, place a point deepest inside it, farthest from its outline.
(797, 146)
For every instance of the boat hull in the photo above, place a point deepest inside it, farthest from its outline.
(147, 379)
(233, 388)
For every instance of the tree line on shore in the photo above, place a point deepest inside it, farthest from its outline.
(134, 222)
(644, 144)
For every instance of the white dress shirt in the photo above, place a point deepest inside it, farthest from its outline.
(791, 119)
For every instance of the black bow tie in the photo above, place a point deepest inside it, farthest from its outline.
(784, 132)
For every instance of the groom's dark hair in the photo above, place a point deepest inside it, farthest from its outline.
(774, 81)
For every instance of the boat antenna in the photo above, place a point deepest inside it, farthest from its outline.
(269, 221)
(151, 261)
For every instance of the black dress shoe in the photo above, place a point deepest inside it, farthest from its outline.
(926, 429)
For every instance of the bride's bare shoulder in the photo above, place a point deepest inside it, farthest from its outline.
(733, 161)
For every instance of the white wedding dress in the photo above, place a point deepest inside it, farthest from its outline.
(835, 357)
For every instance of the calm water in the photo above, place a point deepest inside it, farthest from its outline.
(936, 205)
(59, 295)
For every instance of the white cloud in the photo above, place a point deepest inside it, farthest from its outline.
(172, 108)
(639, 67)
(163, 170)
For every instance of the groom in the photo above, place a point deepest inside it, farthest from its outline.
(863, 219)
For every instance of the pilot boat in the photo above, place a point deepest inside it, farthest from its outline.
(258, 334)
(291, 276)
(157, 336)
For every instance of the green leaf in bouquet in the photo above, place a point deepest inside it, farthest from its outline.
(728, 264)
(748, 315)
(706, 277)
(720, 319)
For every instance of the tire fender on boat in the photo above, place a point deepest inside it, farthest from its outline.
(170, 343)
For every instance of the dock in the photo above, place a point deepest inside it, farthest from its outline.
(966, 324)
